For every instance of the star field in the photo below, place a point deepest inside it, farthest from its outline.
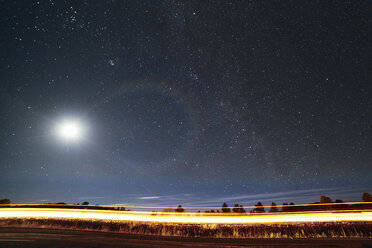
(194, 97)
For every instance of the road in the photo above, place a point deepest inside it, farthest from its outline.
(40, 238)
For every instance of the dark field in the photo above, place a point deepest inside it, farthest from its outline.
(257, 231)
(32, 238)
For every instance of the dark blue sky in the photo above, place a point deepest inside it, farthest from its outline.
(185, 101)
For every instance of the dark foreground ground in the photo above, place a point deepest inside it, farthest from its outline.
(32, 238)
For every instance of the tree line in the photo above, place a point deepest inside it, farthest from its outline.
(291, 207)
(325, 203)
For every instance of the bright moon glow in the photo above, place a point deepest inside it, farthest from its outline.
(70, 130)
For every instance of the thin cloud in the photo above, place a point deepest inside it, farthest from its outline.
(149, 197)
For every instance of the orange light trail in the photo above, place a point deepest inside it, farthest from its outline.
(196, 207)
(190, 218)
(187, 207)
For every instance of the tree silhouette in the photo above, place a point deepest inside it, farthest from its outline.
(367, 197)
(235, 209)
(179, 209)
(340, 206)
(238, 209)
(285, 207)
(273, 208)
(4, 201)
(259, 208)
(85, 203)
(225, 208)
(325, 199)
(292, 207)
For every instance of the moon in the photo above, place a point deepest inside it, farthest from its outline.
(70, 130)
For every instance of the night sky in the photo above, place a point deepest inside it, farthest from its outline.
(192, 102)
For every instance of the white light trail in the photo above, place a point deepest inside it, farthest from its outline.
(190, 218)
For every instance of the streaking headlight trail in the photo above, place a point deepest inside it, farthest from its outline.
(190, 218)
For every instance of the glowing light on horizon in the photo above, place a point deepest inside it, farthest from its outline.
(190, 218)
